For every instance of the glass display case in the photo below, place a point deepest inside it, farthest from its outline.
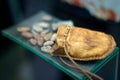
(100, 67)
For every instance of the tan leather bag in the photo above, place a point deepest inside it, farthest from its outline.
(83, 44)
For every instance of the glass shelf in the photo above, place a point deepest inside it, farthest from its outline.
(92, 66)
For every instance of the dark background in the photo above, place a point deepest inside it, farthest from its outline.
(16, 63)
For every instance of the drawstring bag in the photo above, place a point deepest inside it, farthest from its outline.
(82, 44)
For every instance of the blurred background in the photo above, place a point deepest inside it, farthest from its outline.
(17, 63)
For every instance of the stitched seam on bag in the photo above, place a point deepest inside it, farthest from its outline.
(66, 34)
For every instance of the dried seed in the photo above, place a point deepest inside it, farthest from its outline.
(23, 29)
(36, 36)
(46, 48)
(47, 18)
(53, 38)
(37, 28)
(33, 41)
(48, 43)
(48, 36)
(27, 34)
(40, 41)
(44, 24)
(42, 34)
(54, 26)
